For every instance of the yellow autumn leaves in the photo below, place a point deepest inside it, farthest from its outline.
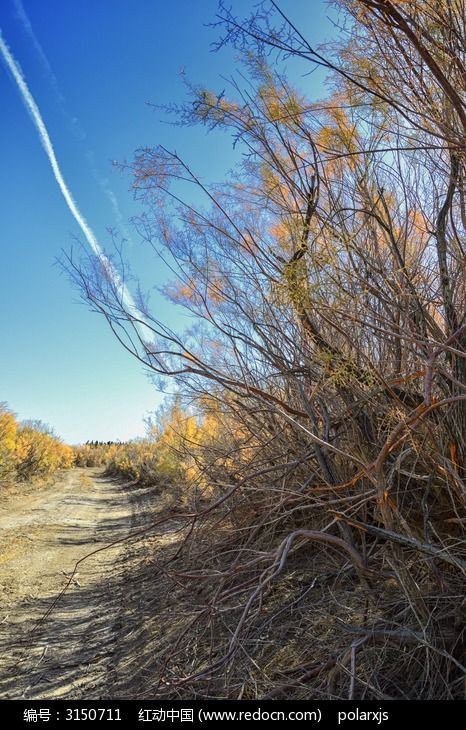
(28, 451)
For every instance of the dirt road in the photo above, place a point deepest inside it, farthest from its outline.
(44, 531)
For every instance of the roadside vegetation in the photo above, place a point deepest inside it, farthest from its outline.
(160, 460)
(29, 450)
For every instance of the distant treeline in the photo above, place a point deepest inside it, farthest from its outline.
(102, 443)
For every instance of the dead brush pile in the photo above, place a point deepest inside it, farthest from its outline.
(282, 585)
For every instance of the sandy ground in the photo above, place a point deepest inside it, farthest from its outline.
(74, 652)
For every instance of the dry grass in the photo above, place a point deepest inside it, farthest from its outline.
(225, 620)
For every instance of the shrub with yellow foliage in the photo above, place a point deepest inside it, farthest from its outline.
(8, 429)
(161, 458)
(137, 461)
(29, 450)
(94, 454)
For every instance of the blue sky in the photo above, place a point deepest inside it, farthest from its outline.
(92, 66)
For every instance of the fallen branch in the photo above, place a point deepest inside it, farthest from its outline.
(406, 541)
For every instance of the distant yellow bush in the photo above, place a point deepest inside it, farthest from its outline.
(29, 450)
(172, 455)
(138, 461)
(8, 429)
(161, 459)
(94, 454)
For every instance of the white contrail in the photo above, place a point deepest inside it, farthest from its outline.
(74, 124)
(26, 23)
(36, 117)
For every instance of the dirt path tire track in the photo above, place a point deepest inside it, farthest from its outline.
(75, 652)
